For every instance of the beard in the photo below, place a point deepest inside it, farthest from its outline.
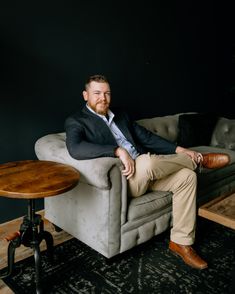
(102, 108)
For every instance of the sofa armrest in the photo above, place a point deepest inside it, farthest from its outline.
(94, 172)
(224, 134)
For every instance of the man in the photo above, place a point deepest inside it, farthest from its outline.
(149, 161)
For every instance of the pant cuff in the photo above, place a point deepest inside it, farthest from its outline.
(182, 241)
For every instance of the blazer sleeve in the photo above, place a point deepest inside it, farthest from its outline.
(80, 147)
(143, 139)
(152, 142)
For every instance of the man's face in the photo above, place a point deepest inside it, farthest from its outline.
(98, 96)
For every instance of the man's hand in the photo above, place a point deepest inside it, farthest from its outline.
(127, 161)
(196, 156)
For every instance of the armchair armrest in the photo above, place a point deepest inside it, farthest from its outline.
(94, 172)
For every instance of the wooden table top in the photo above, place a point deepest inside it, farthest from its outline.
(32, 179)
(220, 210)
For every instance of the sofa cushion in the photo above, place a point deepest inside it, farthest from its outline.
(207, 177)
(148, 204)
(195, 129)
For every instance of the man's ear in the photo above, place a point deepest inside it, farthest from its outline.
(84, 93)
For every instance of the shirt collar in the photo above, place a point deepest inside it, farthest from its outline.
(110, 114)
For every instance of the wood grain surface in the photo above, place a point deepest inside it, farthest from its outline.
(31, 179)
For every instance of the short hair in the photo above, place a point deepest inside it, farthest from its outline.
(96, 78)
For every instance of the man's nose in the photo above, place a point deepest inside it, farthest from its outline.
(103, 96)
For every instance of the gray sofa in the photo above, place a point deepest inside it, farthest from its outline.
(100, 213)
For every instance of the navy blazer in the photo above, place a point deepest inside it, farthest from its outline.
(88, 136)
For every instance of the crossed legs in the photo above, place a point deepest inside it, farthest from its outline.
(173, 173)
(170, 173)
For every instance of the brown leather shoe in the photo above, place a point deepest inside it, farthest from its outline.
(189, 256)
(215, 160)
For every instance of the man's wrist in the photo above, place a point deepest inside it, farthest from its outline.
(116, 151)
(179, 149)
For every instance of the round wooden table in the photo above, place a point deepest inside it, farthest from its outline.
(32, 179)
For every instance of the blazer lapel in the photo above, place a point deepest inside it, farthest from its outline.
(98, 121)
(124, 128)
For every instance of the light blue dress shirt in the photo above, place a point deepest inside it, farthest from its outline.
(118, 135)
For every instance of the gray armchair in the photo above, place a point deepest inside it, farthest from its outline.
(98, 211)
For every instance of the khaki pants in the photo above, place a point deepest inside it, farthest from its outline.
(170, 173)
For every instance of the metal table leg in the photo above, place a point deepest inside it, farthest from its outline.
(30, 235)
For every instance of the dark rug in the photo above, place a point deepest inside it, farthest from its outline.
(147, 268)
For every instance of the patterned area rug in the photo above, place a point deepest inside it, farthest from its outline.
(148, 268)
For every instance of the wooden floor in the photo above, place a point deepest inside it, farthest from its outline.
(22, 251)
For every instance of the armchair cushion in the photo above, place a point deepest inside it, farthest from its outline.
(148, 204)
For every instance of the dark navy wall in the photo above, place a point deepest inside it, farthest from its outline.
(161, 58)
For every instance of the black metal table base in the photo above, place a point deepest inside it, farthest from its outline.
(31, 234)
